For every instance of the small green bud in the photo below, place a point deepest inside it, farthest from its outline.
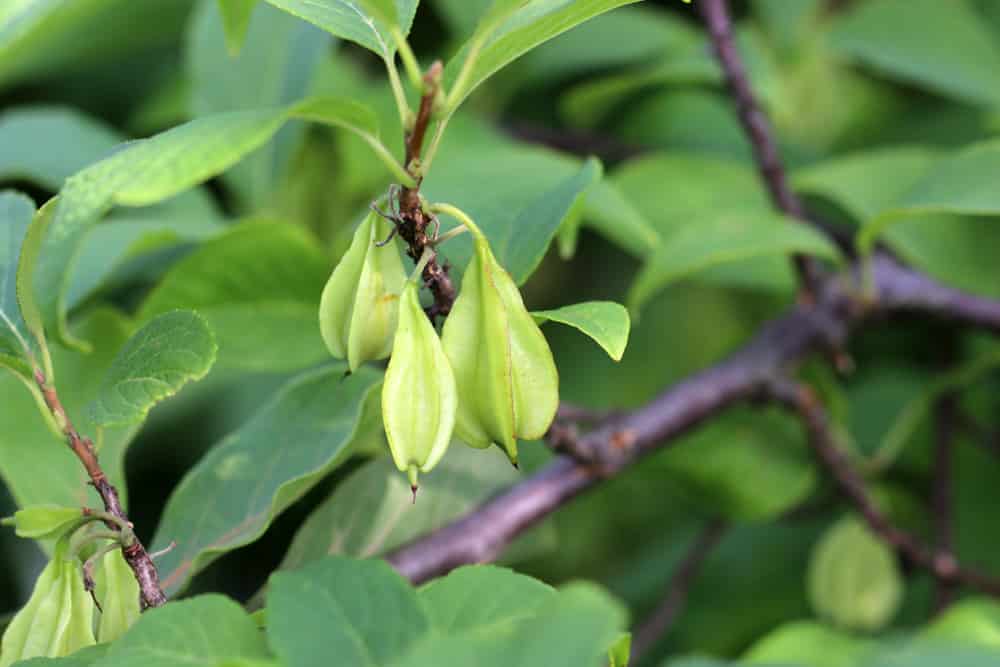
(58, 618)
(418, 395)
(118, 592)
(43, 522)
(504, 371)
(360, 303)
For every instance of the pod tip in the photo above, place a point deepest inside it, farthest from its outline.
(516, 465)
(412, 473)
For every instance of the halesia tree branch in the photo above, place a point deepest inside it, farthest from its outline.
(777, 349)
(135, 554)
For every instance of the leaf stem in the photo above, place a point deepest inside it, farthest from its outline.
(405, 114)
(450, 234)
(410, 63)
(460, 215)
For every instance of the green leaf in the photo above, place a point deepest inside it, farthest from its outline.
(954, 655)
(171, 350)
(918, 409)
(16, 213)
(519, 198)
(483, 600)
(370, 513)
(362, 612)
(747, 466)
(47, 145)
(201, 631)
(669, 190)
(865, 184)
(973, 621)
(535, 23)
(557, 210)
(854, 579)
(236, 21)
(606, 322)
(276, 66)
(42, 38)
(43, 522)
(606, 210)
(943, 47)
(258, 286)
(353, 116)
(961, 184)
(151, 170)
(230, 498)
(810, 644)
(356, 21)
(725, 238)
(34, 462)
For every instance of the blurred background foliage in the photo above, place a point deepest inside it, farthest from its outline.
(864, 95)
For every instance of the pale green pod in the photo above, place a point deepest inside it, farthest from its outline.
(418, 395)
(360, 303)
(504, 371)
(58, 618)
(118, 592)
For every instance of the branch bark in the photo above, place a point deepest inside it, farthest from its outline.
(151, 594)
(605, 451)
(941, 563)
(825, 324)
(716, 16)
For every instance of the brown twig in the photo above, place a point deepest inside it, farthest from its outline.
(716, 16)
(413, 219)
(658, 622)
(942, 502)
(942, 564)
(135, 554)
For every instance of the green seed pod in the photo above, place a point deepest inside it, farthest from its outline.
(118, 592)
(58, 618)
(43, 522)
(503, 366)
(418, 395)
(360, 303)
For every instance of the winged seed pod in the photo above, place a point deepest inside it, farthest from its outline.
(503, 366)
(418, 395)
(118, 592)
(58, 618)
(360, 303)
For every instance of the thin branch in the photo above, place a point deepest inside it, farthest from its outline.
(134, 553)
(716, 16)
(781, 345)
(658, 622)
(413, 219)
(941, 564)
(942, 501)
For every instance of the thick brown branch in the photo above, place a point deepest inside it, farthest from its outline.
(658, 622)
(135, 554)
(757, 128)
(780, 345)
(942, 564)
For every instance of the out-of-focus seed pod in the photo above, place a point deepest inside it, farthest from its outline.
(43, 522)
(418, 395)
(118, 592)
(58, 618)
(360, 303)
(506, 378)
